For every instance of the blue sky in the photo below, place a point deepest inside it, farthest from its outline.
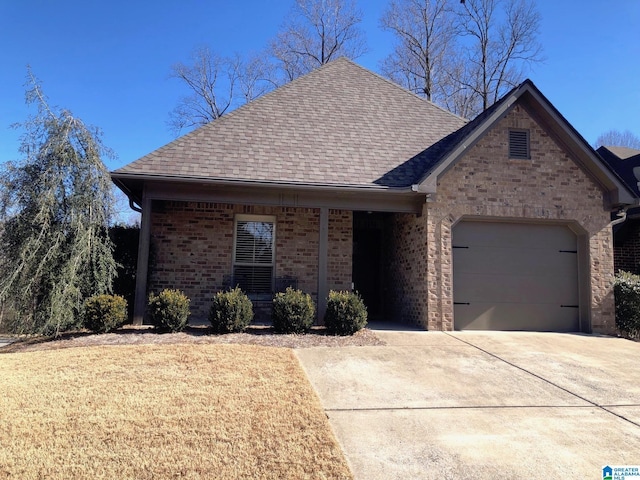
(108, 61)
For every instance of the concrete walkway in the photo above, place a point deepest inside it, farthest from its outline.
(482, 405)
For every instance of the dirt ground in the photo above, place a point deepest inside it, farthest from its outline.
(138, 335)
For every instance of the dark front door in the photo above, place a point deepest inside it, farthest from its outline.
(368, 266)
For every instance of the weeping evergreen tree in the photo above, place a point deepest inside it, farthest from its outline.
(56, 207)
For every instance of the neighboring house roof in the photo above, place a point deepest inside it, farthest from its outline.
(623, 152)
(623, 161)
(340, 125)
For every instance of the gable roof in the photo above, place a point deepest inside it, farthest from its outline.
(444, 154)
(340, 125)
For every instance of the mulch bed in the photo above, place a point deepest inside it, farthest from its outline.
(137, 335)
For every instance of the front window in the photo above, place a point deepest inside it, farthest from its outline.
(253, 256)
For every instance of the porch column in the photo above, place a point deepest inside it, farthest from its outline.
(323, 243)
(140, 301)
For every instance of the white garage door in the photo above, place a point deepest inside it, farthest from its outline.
(512, 276)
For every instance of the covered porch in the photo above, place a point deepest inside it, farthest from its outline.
(195, 236)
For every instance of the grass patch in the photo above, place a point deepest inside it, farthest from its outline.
(162, 411)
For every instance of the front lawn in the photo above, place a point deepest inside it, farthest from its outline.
(162, 411)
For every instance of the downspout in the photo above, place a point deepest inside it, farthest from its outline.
(134, 207)
(622, 213)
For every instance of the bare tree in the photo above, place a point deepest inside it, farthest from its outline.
(500, 40)
(216, 84)
(616, 138)
(256, 76)
(211, 80)
(316, 32)
(425, 38)
(463, 60)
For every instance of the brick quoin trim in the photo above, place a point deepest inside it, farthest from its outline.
(340, 249)
(192, 248)
(486, 183)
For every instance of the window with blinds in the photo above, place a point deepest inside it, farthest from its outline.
(253, 256)
(519, 144)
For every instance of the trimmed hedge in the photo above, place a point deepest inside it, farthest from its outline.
(231, 311)
(346, 313)
(104, 313)
(627, 294)
(169, 310)
(293, 311)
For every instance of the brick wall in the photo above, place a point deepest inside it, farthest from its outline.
(626, 250)
(192, 245)
(407, 266)
(339, 262)
(485, 182)
(297, 233)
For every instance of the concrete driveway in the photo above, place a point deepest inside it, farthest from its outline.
(482, 405)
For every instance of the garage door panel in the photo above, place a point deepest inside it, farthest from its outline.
(522, 289)
(524, 235)
(496, 260)
(506, 316)
(515, 276)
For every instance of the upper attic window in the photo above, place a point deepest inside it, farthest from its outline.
(519, 144)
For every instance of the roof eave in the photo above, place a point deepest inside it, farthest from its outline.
(355, 197)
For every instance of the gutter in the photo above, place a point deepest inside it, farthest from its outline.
(263, 183)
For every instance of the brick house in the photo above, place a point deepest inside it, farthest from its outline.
(342, 179)
(626, 236)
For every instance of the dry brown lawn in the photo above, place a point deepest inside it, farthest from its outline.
(155, 411)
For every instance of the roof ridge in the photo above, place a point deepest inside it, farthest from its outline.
(400, 87)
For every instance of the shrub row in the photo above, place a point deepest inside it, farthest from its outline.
(293, 312)
(232, 311)
(169, 311)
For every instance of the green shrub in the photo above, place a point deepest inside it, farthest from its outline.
(346, 313)
(627, 295)
(169, 310)
(103, 313)
(231, 311)
(293, 311)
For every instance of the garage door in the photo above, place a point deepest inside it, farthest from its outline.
(510, 276)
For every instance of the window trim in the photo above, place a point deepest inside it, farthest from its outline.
(254, 218)
(512, 156)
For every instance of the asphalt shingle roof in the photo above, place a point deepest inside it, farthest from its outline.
(339, 125)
